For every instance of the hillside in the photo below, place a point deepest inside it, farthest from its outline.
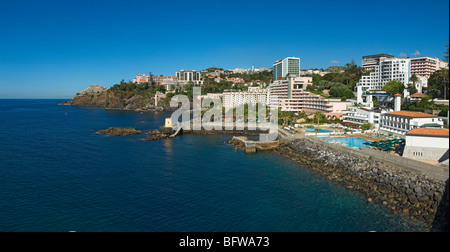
(114, 98)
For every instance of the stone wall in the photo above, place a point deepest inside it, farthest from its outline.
(405, 190)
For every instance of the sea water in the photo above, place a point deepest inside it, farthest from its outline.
(58, 174)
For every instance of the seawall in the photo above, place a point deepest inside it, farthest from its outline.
(407, 187)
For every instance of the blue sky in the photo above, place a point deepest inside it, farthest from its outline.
(54, 49)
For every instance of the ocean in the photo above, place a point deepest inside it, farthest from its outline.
(57, 174)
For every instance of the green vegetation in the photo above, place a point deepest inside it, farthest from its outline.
(142, 89)
(366, 126)
(263, 76)
(425, 105)
(341, 91)
(438, 84)
(394, 87)
(340, 84)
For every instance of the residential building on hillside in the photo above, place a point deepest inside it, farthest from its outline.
(288, 66)
(141, 78)
(189, 76)
(429, 144)
(401, 122)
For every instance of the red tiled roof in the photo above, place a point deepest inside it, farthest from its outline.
(417, 95)
(410, 114)
(429, 132)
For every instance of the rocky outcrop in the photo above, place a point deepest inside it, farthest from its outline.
(161, 133)
(120, 131)
(402, 191)
(113, 100)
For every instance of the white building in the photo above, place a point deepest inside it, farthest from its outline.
(388, 69)
(369, 62)
(427, 144)
(189, 76)
(401, 122)
(289, 95)
(424, 66)
(254, 95)
(361, 116)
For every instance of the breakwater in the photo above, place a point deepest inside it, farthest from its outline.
(405, 191)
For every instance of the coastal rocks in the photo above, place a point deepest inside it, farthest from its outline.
(120, 131)
(404, 192)
(161, 133)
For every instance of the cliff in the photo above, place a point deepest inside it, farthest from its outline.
(111, 99)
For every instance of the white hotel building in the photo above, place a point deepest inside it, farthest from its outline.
(289, 95)
(388, 69)
(401, 122)
(254, 95)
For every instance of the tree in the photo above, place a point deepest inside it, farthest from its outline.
(394, 87)
(438, 83)
(414, 79)
(341, 92)
(366, 126)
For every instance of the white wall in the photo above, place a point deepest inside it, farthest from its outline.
(424, 141)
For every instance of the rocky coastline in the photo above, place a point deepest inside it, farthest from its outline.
(120, 131)
(406, 193)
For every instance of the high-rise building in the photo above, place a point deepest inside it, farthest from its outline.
(388, 69)
(288, 66)
(370, 61)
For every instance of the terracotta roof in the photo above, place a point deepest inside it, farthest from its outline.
(429, 132)
(417, 95)
(397, 95)
(410, 114)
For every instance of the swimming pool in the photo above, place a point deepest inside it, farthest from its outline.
(356, 142)
(320, 131)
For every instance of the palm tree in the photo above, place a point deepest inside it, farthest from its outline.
(317, 116)
(414, 79)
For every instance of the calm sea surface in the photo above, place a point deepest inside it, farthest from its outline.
(58, 174)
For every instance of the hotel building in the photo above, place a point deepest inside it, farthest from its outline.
(361, 116)
(288, 66)
(289, 95)
(254, 95)
(369, 62)
(401, 122)
(388, 69)
(424, 66)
